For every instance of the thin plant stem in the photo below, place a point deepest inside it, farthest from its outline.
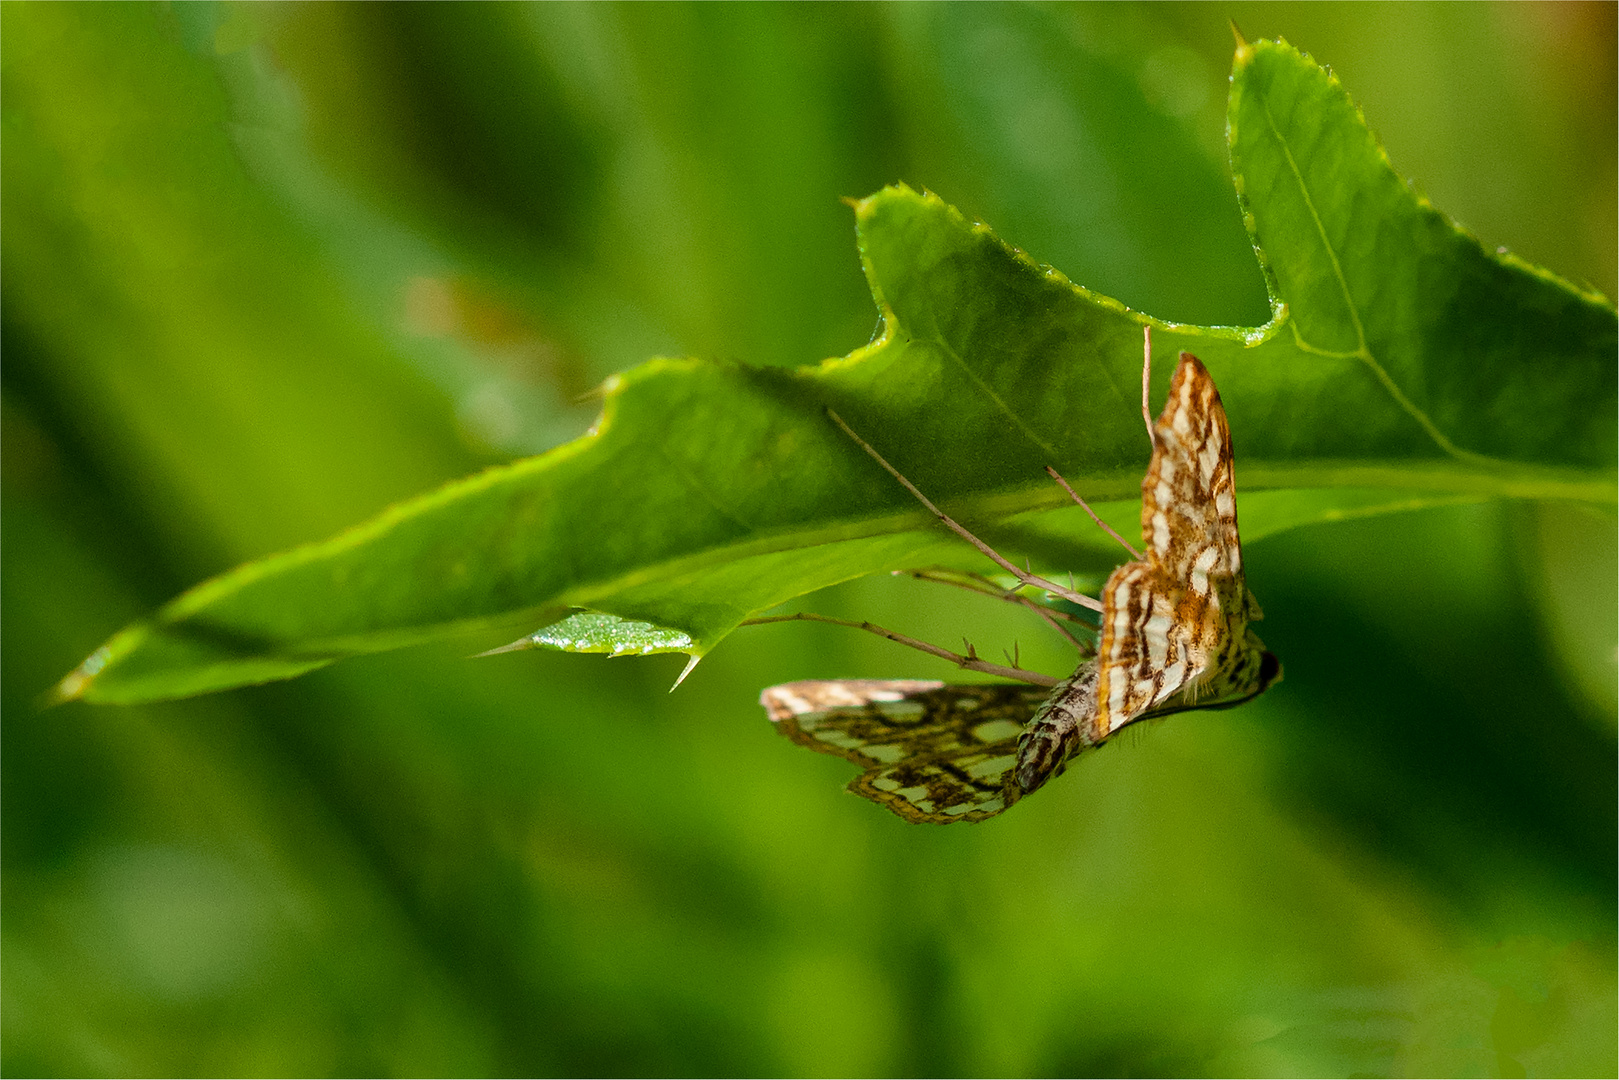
(970, 661)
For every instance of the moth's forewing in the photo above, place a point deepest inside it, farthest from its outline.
(931, 752)
(1175, 632)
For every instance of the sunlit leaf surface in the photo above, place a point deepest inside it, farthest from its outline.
(1401, 355)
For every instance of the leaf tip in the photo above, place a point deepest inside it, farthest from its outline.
(60, 694)
(77, 681)
(695, 660)
(1244, 50)
(863, 208)
(520, 645)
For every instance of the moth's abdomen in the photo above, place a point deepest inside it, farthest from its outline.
(1061, 728)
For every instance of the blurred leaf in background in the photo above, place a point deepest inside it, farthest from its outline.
(270, 269)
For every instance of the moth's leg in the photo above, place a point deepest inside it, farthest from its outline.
(976, 583)
(1055, 475)
(970, 661)
(1005, 564)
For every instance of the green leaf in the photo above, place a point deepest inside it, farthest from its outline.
(1484, 356)
(590, 632)
(1403, 366)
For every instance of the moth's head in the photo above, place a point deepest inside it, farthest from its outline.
(1270, 671)
(1269, 668)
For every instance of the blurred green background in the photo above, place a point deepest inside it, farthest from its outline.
(268, 269)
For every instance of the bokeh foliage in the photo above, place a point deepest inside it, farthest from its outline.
(271, 269)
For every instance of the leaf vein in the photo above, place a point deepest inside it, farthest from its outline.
(701, 489)
(989, 392)
(1362, 352)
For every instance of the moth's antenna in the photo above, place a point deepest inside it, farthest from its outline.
(1146, 380)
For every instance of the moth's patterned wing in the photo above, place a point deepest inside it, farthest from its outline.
(1189, 495)
(1176, 622)
(931, 752)
(1175, 636)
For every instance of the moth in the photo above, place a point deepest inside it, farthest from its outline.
(1175, 634)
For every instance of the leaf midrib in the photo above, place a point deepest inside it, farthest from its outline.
(1362, 352)
(1258, 475)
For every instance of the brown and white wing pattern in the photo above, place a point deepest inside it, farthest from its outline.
(1176, 621)
(1174, 636)
(931, 752)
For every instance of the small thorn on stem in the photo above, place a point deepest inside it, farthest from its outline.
(1053, 617)
(971, 661)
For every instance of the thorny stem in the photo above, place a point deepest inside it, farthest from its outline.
(983, 586)
(970, 661)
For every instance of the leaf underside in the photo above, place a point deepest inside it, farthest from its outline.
(1404, 366)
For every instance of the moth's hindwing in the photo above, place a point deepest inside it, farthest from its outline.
(931, 752)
